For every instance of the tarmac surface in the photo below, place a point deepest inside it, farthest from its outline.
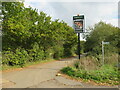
(44, 76)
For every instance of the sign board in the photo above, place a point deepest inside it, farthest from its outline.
(78, 23)
(78, 17)
(105, 42)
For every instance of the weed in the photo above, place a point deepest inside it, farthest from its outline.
(105, 74)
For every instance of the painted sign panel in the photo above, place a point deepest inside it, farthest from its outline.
(78, 23)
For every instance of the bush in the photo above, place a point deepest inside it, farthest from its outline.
(19, 57)
(48, 54)
(68, 70)
(36, 53)
(6, 56)
(58, 52)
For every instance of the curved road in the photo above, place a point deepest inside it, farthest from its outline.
(43, 76)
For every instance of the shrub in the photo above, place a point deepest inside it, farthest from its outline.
(68, 70)
(106, 74)
(58, 52)
(48, 54)
(36, 53)
(6, 56)
(19, 57)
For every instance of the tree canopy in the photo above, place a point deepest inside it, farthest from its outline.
(33, 36)
(102, 32)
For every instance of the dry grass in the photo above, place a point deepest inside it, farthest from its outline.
(87, 63)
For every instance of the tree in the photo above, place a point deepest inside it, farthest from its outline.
(101, 32)
(35, 34)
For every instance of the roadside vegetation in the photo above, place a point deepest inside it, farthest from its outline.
(88, 69)
(106, 74)
(31, 36)
(29, 64)
(91, 67)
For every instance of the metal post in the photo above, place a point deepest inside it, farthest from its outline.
(103, 52)
(79, 45)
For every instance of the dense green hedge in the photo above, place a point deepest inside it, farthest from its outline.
(29, 35)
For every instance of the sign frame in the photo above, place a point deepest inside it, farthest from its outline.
(79, 23)
(106, 42)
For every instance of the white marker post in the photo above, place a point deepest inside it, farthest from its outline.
(103, 50)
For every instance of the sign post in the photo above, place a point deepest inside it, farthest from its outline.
(79, 45)
(103, 51)
(78, 24)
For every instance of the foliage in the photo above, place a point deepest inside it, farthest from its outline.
(106, 74)
(82, 47)
(29, 32)
(0, 43)
(68, 70)
(19, 57)
(102, 32)
(35, 53)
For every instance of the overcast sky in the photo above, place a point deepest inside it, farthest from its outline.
(94, 10)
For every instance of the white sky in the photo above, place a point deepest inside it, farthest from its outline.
(94, 10)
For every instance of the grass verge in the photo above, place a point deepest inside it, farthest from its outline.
(6, 67)
(106, 74)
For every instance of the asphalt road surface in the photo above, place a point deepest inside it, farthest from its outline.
(44, 76)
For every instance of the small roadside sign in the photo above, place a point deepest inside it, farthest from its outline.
(105, 42)
(78, 17)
